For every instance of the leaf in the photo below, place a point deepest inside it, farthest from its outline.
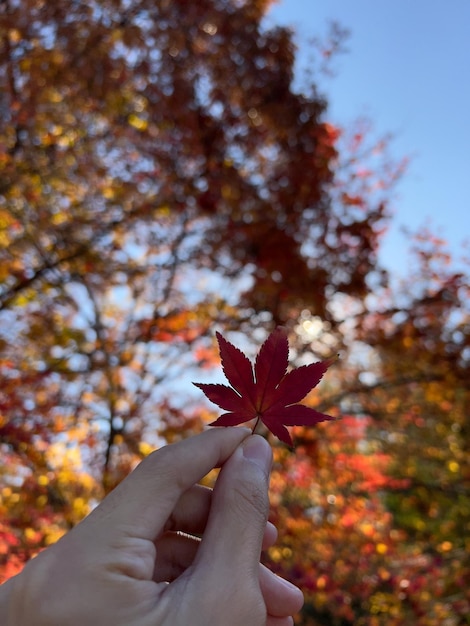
(270, 393)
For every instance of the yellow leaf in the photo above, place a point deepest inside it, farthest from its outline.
(145, 448)
(137, 122)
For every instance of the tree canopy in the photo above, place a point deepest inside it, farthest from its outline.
(162, 176)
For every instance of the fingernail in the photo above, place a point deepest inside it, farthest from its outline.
(258, 450)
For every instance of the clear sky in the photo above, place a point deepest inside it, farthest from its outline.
(407, 69)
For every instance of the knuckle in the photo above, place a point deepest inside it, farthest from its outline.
(249, 495)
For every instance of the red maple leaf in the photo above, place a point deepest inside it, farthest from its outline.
(270, 393)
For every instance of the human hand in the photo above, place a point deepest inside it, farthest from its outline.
(126, 564)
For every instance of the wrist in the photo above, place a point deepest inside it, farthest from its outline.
(7, 592)
(15, 601)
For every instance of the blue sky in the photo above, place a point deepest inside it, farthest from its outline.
(407, 69)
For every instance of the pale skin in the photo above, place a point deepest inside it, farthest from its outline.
(126, 564)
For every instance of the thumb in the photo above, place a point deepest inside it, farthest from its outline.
(232, 541)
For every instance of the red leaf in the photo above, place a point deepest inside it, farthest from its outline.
(237, 368)
(297, 383)
(270, 395)
(271, 365)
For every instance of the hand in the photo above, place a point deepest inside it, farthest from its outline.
(136, 560)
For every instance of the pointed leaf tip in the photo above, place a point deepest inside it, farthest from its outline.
(237, 368)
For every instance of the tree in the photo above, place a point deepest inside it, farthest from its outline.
(155, 158)
(161, 177)
(377, 508)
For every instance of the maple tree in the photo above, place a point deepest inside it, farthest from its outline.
(376, 504)
(272, 394)
(161, 177)
(150, 174)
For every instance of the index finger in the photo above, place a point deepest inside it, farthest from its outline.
(142, 503)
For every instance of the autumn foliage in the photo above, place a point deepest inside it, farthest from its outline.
(162, 178)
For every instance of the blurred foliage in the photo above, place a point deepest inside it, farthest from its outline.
(161, 177)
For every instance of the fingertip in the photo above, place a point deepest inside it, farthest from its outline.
(270, 535)
(281, 596)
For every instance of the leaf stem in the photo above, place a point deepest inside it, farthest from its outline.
(256, 424)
